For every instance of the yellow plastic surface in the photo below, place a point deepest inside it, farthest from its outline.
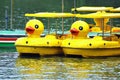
(115, 9)
(91, 47)
(32, 23)
(50, 15)
(99, 15)
(86, 8)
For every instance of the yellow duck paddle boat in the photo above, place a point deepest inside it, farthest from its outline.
(100, 45)
(80, 45)
(34, 44)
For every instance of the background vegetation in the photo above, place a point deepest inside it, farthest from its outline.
(20, 7)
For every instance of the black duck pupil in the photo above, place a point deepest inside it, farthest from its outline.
(80, 28)
(36, 26)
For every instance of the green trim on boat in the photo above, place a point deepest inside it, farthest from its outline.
(7, 44)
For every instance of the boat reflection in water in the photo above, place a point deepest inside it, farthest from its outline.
(68, 68)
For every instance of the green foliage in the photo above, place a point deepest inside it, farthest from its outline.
(20, 7)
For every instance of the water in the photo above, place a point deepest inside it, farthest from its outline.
(13, 67)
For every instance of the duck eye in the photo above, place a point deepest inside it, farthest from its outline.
(36, 26)
(80, 28)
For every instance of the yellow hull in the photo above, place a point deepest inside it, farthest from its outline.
(95, 52)
(48, 45)
(91, 47)
(39, 50)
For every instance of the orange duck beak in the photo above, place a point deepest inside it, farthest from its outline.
(74, 31)
(30, 30)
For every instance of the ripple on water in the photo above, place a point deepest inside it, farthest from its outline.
(57, 67)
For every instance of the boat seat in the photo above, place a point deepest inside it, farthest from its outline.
(117, 34)
(111, 38)
(63, 36)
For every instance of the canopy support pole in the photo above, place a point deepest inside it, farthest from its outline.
(111, 25)
(62, 17)
(48, 26)
(102, 25)
(11, 21)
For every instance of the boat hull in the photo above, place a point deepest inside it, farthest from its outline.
(48, 45)
(8, 37)
(39, 50)
(91, 47)
(94, 52)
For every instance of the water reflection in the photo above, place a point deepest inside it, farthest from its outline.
(57, 67)
(70, 68)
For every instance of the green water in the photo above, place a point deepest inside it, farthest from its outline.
(13, 67)
(7, 49)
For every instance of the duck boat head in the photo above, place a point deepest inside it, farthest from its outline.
(34, 28)
(79, 29)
